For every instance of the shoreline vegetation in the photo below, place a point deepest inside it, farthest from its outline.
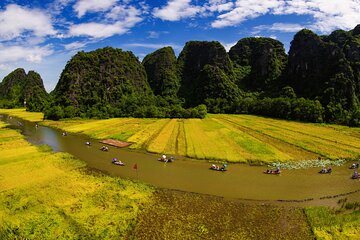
(46, 195)
(222, 138)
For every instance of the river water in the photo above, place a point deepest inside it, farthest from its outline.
(240, 181)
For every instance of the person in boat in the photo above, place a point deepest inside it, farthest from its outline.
(356, 175)
(329, 170)
(104, 148)
(64, 134)
(114, 160)
(277, 170)
(355, 165)
(323, 170)
(88, 143)
(223, 168)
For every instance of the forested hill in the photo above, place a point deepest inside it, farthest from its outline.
(317, 81)
(19, 88)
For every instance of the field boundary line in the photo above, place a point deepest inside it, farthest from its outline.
(254, 133)
(308, 134)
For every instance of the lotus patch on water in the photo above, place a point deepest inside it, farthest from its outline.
(308, 164)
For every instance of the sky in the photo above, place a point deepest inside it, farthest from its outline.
(43, 35)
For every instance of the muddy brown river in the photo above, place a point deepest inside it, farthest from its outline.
(240, 181)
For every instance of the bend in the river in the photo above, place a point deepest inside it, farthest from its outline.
(240, 181)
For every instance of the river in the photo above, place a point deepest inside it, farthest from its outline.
(240, 181)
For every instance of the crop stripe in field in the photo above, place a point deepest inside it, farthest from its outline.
(100, 131)
(155, 135)
(321, 142)
(261, 135)
(288, 126)
(312, 135)
(323, 148)
(181, 132)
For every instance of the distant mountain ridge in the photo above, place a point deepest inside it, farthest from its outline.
(318, 80)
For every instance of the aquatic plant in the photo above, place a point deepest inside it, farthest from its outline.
(315, 163)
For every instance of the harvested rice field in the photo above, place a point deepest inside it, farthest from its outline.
(222, 137)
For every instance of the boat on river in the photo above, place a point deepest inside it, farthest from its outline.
(167, 160)
(354, 166)
(218, 168)
(163, 158)
(117, 162)
(271, 172)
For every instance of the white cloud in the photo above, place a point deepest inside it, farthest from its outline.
(29, 54)
(244, 10)
(57, 6)
(152, 46)
(227, 46)
(153, 34)
(119, 21)
(5, 67)
(281, 27)
(84, 6)
(176, 10)
(126, 18)
(74, 45)
(16, 21)
(327, 15)
(97, 30)
(219, 5)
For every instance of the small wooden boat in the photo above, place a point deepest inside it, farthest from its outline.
(326, 171)
(166, 160)
(354, 166)
(104, 149)
(272, 172)
(219, 169)
(119, 163)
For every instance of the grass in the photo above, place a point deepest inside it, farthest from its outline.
(339, 223)
(45, 195)
(232, 138)
(22, 113)
(182, 215)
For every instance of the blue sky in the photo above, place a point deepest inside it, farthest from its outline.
(42, 35)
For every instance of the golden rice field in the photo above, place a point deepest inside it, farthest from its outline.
(232, 138)
(45, 195)
(22, 113)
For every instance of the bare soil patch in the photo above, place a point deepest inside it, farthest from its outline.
(116, 143)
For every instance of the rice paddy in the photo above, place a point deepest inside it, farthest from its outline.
(231, 138)
(45, 195)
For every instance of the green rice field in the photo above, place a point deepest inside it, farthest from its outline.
(232, 138)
